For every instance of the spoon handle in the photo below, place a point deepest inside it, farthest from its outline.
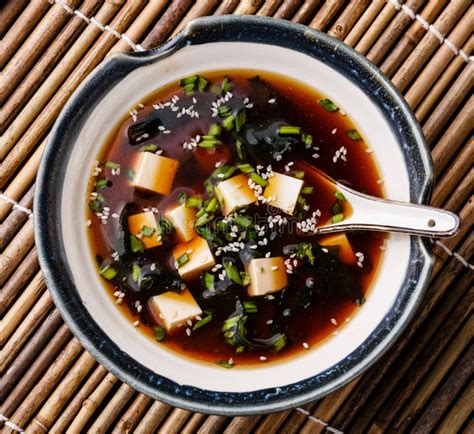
(373, 214)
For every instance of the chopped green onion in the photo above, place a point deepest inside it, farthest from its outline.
(188, 80)
(136, 244)
(307, 139)
(305, 250)
(307, 190)
(240, 119)
(239, 148)
(287, 130)
(108, 272)
(299, 174)
(338, 218)
(255, 177)
(149, 148)
(225, 364)
(242, 221)
(130, 174)
(112, 165)
(228, 122)
(226, 85)
(246, 168)
(212, 205)
(183, 259)
(224, 111)
(336, 208)
(328, 105)
(353, 134)
(339, 196)
(279, 343)
(160, 333)
(201, 212)
(96, 205)
(164, 226)
(202, 220)
(250, 307)
(208, 280)
(182, 197)
(214, 130)
(208, 143)
(100, 184)
(202, 84)
(232, 272)
(193, 202)
(136, 272)
(147, 231)
(208, 186)
(223, 172)
(245, 278)
(202, 322)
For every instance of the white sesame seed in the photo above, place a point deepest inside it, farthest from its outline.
(333, 321)
(135, 324)
(272, 101)
(262, 358)
(334, 131)
(270, 321)
(188, 332)
(305, 345)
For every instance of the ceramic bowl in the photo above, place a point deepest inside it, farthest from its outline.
(223, 43)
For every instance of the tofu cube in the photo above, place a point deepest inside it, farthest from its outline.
(155, 173)
(173, 309)
(200, 257)
(145, 220)
(183, 219)
(283, 191)
(346, 253)
(267, 275)
(235, 193)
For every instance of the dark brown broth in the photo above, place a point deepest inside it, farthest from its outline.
(327, 311)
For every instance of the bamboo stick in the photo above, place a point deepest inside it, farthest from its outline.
(140, 25)
(74, 406)
(454, 174)
(376, 28)
(131, 417)
(60, 74)
(449, 144)
(348, 18)
(29, 354)
(463, 190)
(364, 22)
(152, 419)
(24, 303)
(200, 8)
(448, 105)
(24, 330)
(213, 425)
(392, 32)
(16, 251)
(305, 11)
(459, 413)
(452, 386)
(16, 219)
(45, 64)
(226, 7)
(287, 9)
(23, 179)
(175, 421)
(269, 8)
(437, 372)
(194, 423)
(42, 389)
(241, 424)
(270, 423)
(440, 60)
(411, 38)
(9, 11)
(247, 7)
(296, 419)
(91, 404)
(428, 44)
(19, 278)
(33, 47)
(21, 28)
(442, 83)
(326, 14)
(61, 395)
(163, 28)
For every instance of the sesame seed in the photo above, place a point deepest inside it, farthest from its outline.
(272, 101)
(262, 358)
(188, 332)
(275, 267)
(270, 321)
(305, 345)
(135, 324)
(333, 321)
(88, 223)
(334, 131)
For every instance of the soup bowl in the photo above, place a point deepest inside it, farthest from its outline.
(230, 43)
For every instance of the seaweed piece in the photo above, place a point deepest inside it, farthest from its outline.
(138, 133)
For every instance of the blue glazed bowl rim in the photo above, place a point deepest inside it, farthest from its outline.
(57, 272)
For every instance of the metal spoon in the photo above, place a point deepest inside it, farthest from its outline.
(370, 213)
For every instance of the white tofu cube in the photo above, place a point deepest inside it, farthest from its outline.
(283, 191)
(173, 309)
(199, 255)
(346, 253)
(183, 219)
(155, 173)
(235, 193)
(141, 224)
(267, 275)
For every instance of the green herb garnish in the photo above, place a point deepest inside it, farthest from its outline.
(136, 272)
(212, 206)
(112, 165)
(160, 333)
(223, 172)
(250, 307)
(339, 196)
(149, 148)
(224, 111)
(246, 168)
(130, 174)
(214, 130)
(202, 322)
(203, 219)
(147, 231)
(136, 244)
(96, 205)
(226, 85)
(298, 174)
(353, 134)
(305, 250)
(202, 83)
(336, 208)
(279, 342)
(228, 122)
(307, 190)
(255, 177)
(183, 259)
(108, 272)
(307, 139)
(188, 80)
(240, 119)
(208, 280)
(208, 143)
(182, 197)
(100, 184)
(288, 130)
(328, 105)
(225, 364)
(338, 218)
(194, 202)
(245, 278)
(239, 149)
(232, 272)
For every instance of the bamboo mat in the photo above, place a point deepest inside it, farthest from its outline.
(49, 383)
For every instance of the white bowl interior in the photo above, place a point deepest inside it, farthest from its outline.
(219, 56)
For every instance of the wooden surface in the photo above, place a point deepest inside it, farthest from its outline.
(49, 383)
